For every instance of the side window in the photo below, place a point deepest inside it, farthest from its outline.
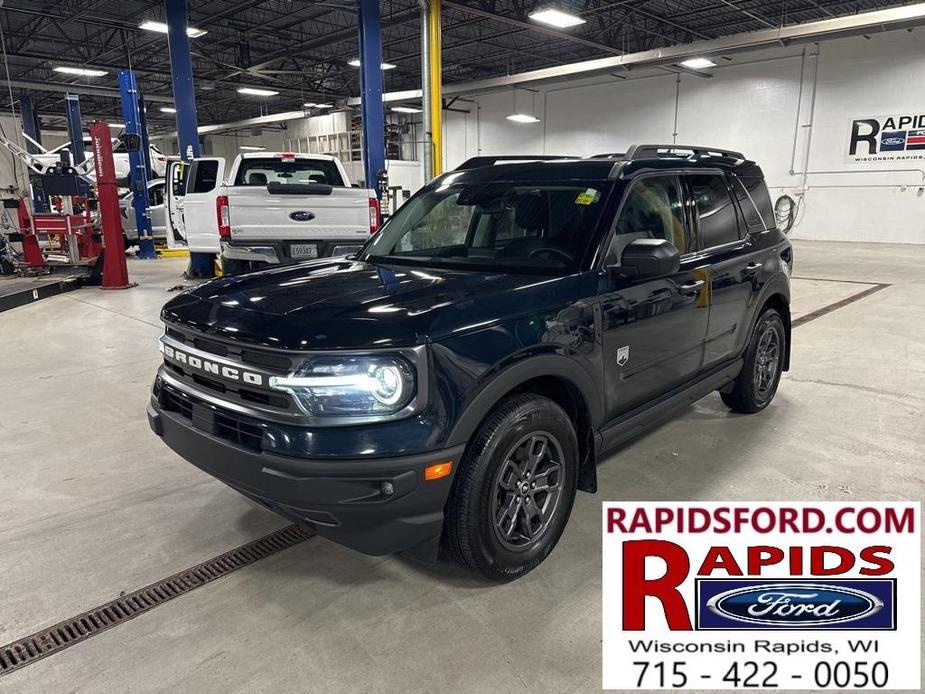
(157, 196)
(719, 221)
(202, 176)
(652, 209)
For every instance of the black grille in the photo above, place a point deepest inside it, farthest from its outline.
(176, 334)
(271, 361)
(211, 347)
(242, 432)
(274, 361)
(281, 402)
(210, 419)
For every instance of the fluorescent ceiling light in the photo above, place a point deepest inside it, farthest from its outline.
(698, 63)
(168, 109)
(161, 28)
(314, 105)
(556, 18)
(523, 118)
(256, 92)
(252, 148)
(83, 72)
(385, 66)
(116, 125)
(405, 109)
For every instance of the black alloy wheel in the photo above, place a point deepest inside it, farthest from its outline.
(514, 489)
(756, 384)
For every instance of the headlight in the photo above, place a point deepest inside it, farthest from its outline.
(350, 386)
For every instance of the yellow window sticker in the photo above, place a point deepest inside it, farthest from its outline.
(588, 197)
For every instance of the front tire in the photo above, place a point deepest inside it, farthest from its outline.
(757, 383)
(514, 491)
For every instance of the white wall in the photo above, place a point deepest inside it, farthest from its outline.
(751, 104)
(228, 145)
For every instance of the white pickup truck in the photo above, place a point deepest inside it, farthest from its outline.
(272, 208)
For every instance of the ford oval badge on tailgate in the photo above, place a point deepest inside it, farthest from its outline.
(301, 216)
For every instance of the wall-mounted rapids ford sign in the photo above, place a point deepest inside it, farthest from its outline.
(796, 604)
(897, 137)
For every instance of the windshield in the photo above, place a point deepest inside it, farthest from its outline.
(498, 226)
(260, 172)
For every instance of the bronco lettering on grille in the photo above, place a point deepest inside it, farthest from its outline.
(210, 367)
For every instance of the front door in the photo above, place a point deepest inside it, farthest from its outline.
(175, 181)
(653, 330)
(203, 184)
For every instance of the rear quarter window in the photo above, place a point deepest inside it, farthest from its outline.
(757, 203)
(263, 171)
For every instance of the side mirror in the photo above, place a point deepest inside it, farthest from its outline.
(645, 258)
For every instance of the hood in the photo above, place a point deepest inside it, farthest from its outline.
(341, 304)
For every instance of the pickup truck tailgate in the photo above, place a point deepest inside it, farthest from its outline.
(258, 215)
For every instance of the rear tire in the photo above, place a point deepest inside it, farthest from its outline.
(514, 490)
(756, 385)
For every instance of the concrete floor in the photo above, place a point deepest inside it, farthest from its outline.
(93, 504)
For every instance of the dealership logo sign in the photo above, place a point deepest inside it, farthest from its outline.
(796, 604)
(887, 138)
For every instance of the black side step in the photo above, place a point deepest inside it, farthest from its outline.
(641, 420)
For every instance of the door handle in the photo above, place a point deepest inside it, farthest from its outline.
(753, 268)
(691, 288)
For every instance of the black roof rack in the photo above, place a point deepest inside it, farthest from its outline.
(654, 151)
(476, 162)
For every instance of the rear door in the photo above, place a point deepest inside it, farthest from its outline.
(732, 260)
(653, 330)
(203, 186)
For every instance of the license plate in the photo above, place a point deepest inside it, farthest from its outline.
(303, 250)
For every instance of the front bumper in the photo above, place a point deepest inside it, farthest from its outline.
(376, 506)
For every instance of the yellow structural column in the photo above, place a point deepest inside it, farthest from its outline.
(436, 86)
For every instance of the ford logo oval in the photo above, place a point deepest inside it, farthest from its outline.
(301, 216)
(892, 141)
(794, 604)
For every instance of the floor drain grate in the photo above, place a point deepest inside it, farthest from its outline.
(797, 322)
(26, 651)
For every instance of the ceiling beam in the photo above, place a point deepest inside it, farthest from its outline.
(825, 29)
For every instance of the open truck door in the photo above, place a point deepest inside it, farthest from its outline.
(175, 177)
(203, 187)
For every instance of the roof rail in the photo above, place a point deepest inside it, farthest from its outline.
(476, 162)
(609, 155)
(654, 151)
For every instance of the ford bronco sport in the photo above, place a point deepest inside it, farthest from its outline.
(458, 379)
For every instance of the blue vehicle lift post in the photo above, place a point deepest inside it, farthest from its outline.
(74, 129)
(184, 97)
(138, 166)
(145, 142)
(30, 123)
(30, 126)
(373, 122)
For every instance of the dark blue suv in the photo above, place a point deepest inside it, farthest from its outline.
(458, 380)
